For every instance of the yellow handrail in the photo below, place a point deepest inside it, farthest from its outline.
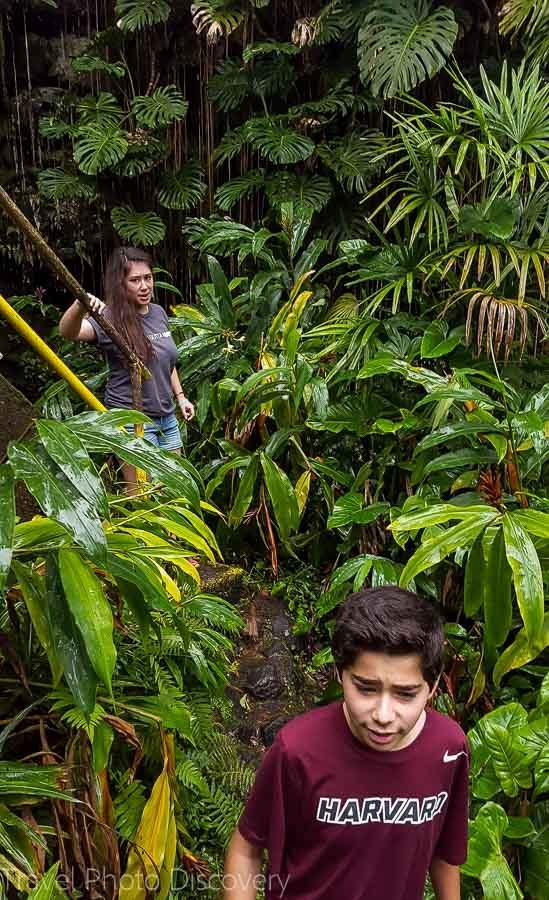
(47, 354)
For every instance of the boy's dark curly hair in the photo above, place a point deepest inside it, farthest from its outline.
(389, 620)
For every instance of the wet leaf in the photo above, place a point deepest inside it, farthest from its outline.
(69, 645)
(91, 612)
(282, 497)
(7, 522)
(527, 577)
(245, 492)
(33, 589)
(67, 450)
(58, 498)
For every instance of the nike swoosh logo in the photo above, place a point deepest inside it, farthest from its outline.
(451, 757)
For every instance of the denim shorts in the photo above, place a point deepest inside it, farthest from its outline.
(163, 433)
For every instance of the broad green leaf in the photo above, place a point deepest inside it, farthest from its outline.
(34, 594)
(245, 493)
(436, 342)
(509, 762)
(222, 292)
(39, 534)
(91, 612)
(438, 514)
(498, 602)
(66, 449)
(458, 459)
(475, 579)
(534, 521)
(58, 498)
(127, 567)
(282, 495)
(485, 857)
(350, 510)
(536, 857)
(435, 549)
(541, 773)
(69, 645)
(99, 434)
(184, 533)
(7, 522)
(520, 652)
(527, 577)
(450, 432)
(302, 488)
(491, 219)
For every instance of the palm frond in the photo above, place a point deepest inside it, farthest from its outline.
(142, 228)
(531, 17)
(400, 44)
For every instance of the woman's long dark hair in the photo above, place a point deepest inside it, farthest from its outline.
(122, 313)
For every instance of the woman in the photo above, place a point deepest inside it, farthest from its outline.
(128, 292)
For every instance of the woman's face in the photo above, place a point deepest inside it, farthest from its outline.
(139, 285)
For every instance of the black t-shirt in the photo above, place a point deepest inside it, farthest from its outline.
(158, 397)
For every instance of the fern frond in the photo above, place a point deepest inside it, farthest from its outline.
(73, 715)
(128, 808)
(184, 188)
(189, 775)
(222, 812)
(142, 228)
(164, 105)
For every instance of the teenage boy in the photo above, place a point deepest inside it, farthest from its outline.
(359, 800)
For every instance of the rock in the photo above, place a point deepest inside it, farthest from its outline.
(265, 681)
(270, 729)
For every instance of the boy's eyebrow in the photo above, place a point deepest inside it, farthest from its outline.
(405, 687)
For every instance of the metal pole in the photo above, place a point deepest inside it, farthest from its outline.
(47, 354)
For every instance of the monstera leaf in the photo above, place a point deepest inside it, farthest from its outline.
(182, 189)
(239, 188)
(278, 143)
(229, 86)
(165, 105)
(87, 63)
(402, 43)
(138, 227)
(56, 184)
(135, 14)
(102, 110)
(99, 147)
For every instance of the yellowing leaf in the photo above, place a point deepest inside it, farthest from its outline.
(146, 858)
(301, 489)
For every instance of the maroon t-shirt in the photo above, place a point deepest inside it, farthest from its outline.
(342, 820)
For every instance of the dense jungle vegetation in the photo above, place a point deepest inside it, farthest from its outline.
(348, 204)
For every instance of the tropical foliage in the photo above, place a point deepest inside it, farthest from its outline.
(353, 201)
